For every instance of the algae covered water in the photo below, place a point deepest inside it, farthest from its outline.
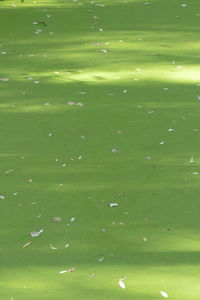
(100, 137)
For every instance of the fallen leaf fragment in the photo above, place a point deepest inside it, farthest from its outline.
(36, 233)
(9, 171)
(104, 51)
(122, 284)
(113, 204)
(27, 244)
(67, 271)
(192, 160)
(52, 247)
(164, 294)
(149, 157)
(56, 219)
(101, 259)
(4, 79)
(80, 104)
(121, 194)
(71, 103)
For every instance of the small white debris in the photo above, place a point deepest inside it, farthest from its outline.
(198, 97)
(165, 89)
(72, 219)
(164, 294)
(113, 204)
(80, 157)
(183, 4)
(62, 272)
(161, 143)
(71, 103)
(67, 245)
(104, 51)
(101, 29)
(170, 129)
(36, 233)
(149, 157)
(114, 150)
(101, 259)
(125, 91)
(38, 31)
(2, 197)
(195, 173)
(80, 104)
(191, 160)
(50, 134)
(67, 271)
(53, 248)
(122, 284)
(4, 79)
